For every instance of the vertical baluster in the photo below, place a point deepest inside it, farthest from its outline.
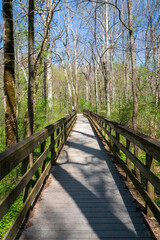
(103, 133)
(137, 172)
(61, 138)
(53, 153)
(150, 187)
(25, 167)
(128, 162)
(57, 133)
(43, 145)
(111, 132)
(65, 130)
(102, 129)
(63, 135)
(69, 127)
(117, 138)
(106, 136)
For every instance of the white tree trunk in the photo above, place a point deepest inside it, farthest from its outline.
(108, 60)
(49, 64)
(49, 77)
(76, 72)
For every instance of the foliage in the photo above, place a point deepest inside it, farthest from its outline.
(8, 219)
(83, 104)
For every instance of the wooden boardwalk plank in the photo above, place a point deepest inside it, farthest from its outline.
(85, 197)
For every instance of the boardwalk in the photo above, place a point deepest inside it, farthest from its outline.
(85, 198)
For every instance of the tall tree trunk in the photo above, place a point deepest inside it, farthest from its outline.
(112, 74)
(94, 60)
(155, 63)
(49, 62)
(87, 89)
(68, 85)
(44, 85)
(134, 79)
(134, 70)
(96, 87)
(123, 51)
(112, 56)
(76, 72)
(127, 67)
(107, 77)
(9, 75)
(71, 76)
(49, 74)
(31, 67)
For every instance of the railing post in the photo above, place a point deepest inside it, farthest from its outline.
(42, 150)
(106, 135)
(101, 123)
(117, 138)
(149, 186)
(53, 153)
(111, 142)
(137, 172)
(63, 136)
(65, 131)
(103, 133)
(128, 162)
(25, 167)
(57, 133)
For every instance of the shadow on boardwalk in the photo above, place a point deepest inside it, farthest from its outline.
(105, 208)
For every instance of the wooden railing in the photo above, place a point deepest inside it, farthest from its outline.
(120, 139)
(22, 152)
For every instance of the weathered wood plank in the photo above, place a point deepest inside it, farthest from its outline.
(84, 197)
(145, 170)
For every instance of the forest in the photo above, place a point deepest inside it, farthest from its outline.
(62, 55)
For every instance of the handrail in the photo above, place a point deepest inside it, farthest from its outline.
(149, 145)
(21, 152)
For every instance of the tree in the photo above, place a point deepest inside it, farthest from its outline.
(31, 67)
(47, 59)
(134, 79)
(9, 75)
(134, 68)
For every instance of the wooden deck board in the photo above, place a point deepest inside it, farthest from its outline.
(86, 198)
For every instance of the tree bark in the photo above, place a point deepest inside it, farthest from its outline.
(107, 77)
(127, 67)
(9, 75)
(123, 51)
(76, 72)
(134, 69)
(155, 64)
(95, 63)
(134, 80)
(49, 62)
(49, 74)
(31, 67)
